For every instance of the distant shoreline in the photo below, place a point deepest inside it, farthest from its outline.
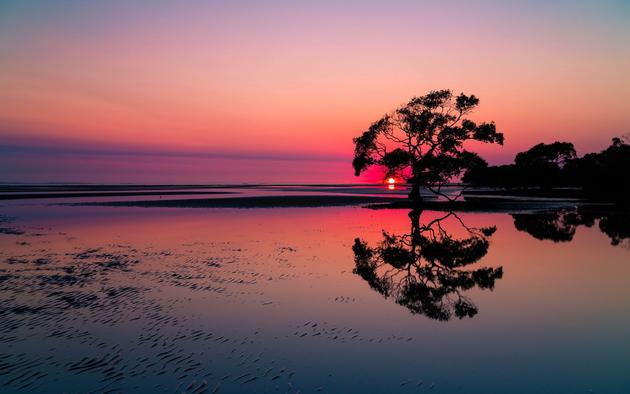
(29, 196)
(248, 202)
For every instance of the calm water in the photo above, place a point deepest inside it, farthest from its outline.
(280, 300)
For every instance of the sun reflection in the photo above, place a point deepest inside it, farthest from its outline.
(391, 183)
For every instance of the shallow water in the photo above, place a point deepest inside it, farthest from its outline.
(265, 300)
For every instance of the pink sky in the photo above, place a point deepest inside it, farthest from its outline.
(161, 91)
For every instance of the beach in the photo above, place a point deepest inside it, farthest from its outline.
(141, 297)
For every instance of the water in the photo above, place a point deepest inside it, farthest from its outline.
(131, 299)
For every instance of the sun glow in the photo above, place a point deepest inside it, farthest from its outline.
(391, 181)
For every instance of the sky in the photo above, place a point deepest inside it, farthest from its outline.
(274, 91)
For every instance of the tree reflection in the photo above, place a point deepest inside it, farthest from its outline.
(428, 270)
(560, 225)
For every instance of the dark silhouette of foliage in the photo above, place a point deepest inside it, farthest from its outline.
(422, 141)
(560, 225)
(541, 165)
(617, 227)
(603, 174)
(425, 271)
(557, 153)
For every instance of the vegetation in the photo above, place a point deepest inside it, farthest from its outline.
(422, 141)
(556, 165)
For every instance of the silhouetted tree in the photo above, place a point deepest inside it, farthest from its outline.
(422, 141)
(424, 271)
(497, 176)
(556, 153)
(603, 174)
(540, 165)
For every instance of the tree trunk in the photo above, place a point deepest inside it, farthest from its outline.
(416, 233)
(414, 216)
(414, 195)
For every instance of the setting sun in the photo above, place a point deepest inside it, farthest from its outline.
(391, 181)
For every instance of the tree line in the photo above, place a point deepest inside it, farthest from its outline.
(557, 165)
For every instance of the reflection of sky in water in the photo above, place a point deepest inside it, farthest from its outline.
(243, 300)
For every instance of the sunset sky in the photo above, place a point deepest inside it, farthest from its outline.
(274, 91)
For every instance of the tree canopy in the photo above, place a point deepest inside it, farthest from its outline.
(422, 141)
(556, 153)
(556, 165)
